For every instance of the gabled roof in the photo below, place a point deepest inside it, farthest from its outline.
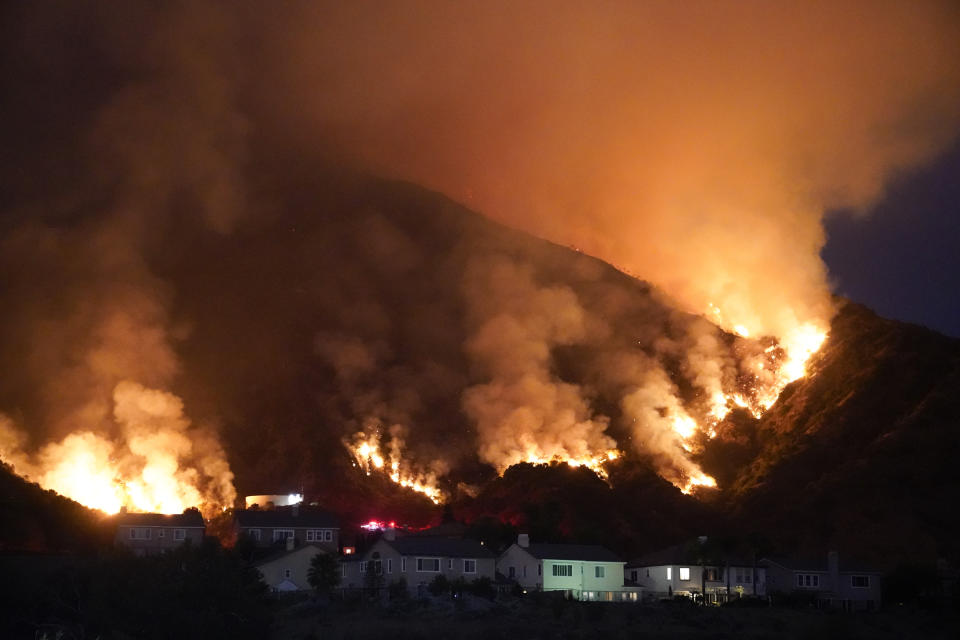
(184, 520)
(285, 517)
(430, 546)
(586, 552)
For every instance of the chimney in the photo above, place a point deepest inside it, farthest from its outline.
(296, 510)
(833, 566)
(523, 540)
(389, 533)
(290, 542)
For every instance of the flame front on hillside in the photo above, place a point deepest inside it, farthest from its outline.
(159, 463)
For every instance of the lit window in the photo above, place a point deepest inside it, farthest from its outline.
(563, 570)
(669, 573)
(599, 571)
(469, 566)
(684, 573)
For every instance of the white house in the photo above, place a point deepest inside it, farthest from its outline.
(683, 570)
(829, 584)
(584, 572)
(417, 561)
(287, 570)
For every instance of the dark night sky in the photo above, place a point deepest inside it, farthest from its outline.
(903, 258)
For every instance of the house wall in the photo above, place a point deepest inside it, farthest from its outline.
(297, 563)
(299, 534)
(528, 574)
(857, 598)
(654, 579)
(393, 568)
(161, 538)
(525, 567)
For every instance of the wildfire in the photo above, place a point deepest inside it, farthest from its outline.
(367, 455)
(159, 465)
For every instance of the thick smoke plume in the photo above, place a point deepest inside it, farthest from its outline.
(696, 145)
(525, 413)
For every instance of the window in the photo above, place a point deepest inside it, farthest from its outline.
(648, 573)
(161, 533)
(286, 573)
(343, 570)
(469, 566)
(254, 533)
(539, 569)
(739, 576)
(179, 534)
(511, 572)
(633, 576)
(598, 572)
(328, 535)
(669, 573)
(389, 565)
(428, 565)
(449, 564)
(282, 534)
(860, 582)
(563, 570)
(684, 573)
(376, 567)
(139, 533)
(523, 571)
(363, 567)
(808, 580)
(403, 565)
(310, 535)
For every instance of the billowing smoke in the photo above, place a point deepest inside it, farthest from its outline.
(525, 413)
(85, 315)
(694, 145)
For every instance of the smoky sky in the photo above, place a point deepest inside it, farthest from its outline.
(155, 175)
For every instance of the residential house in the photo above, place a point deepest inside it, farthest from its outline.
(583, 572)
(828, 584)
(287, 570)
(304, 525)
(686, 570)
(150, 533)
(417, 560)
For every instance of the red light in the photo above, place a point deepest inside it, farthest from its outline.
(393, 525)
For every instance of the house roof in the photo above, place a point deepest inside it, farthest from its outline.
(287, 517)
(587, 552)
(309, 549)
(442, 547)
(687, 554)
(817, 564)
(185, 520)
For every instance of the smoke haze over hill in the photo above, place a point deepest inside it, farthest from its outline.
(179, 223)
